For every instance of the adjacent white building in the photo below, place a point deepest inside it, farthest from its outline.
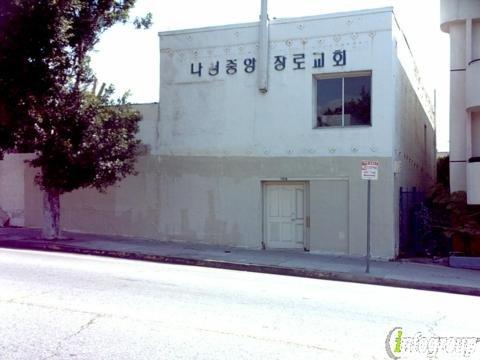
(259, 137)
(461, 19)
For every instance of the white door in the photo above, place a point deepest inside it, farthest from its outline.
(284, 216)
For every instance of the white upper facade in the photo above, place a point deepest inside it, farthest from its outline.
(210, 103)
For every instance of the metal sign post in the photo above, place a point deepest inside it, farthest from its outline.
(367, 270)
(369, 173)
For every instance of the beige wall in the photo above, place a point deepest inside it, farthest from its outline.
(12, 187)
(329, 211)
(148, 130)
(415, 145)
(219, 201)
(414, 139)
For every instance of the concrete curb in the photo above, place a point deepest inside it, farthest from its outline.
(251, 267)
(464, 262)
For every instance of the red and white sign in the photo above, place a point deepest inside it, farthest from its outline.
(370, 170)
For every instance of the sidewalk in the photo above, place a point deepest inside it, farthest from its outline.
(284, 262)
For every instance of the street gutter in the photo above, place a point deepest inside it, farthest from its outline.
(360, 278)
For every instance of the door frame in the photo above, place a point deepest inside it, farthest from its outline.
(306, 209)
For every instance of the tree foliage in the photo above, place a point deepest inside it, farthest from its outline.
(449, 215)
(48, 103)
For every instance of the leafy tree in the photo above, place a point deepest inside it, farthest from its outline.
(447, 218)
(49, 105)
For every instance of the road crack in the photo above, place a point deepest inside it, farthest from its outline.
(18, 299)
(47, 307)
(432, 326)
(82, 328)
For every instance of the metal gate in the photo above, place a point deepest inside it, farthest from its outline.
(411, 228)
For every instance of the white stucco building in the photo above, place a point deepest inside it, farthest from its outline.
(461, 19)
(259, 136)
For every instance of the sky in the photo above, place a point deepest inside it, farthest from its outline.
(129, 58)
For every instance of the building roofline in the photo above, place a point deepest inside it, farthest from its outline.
(278, 21)
(144, 103)
(333, 15)
(208, 28)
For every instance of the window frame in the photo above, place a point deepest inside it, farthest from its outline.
(342, 76)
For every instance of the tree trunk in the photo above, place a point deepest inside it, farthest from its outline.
(51, 214)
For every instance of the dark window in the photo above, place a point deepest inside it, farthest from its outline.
(344, 101)
(329, 102)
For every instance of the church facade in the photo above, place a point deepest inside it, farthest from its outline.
(259, 137)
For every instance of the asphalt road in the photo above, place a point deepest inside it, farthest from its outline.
(56, 306)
